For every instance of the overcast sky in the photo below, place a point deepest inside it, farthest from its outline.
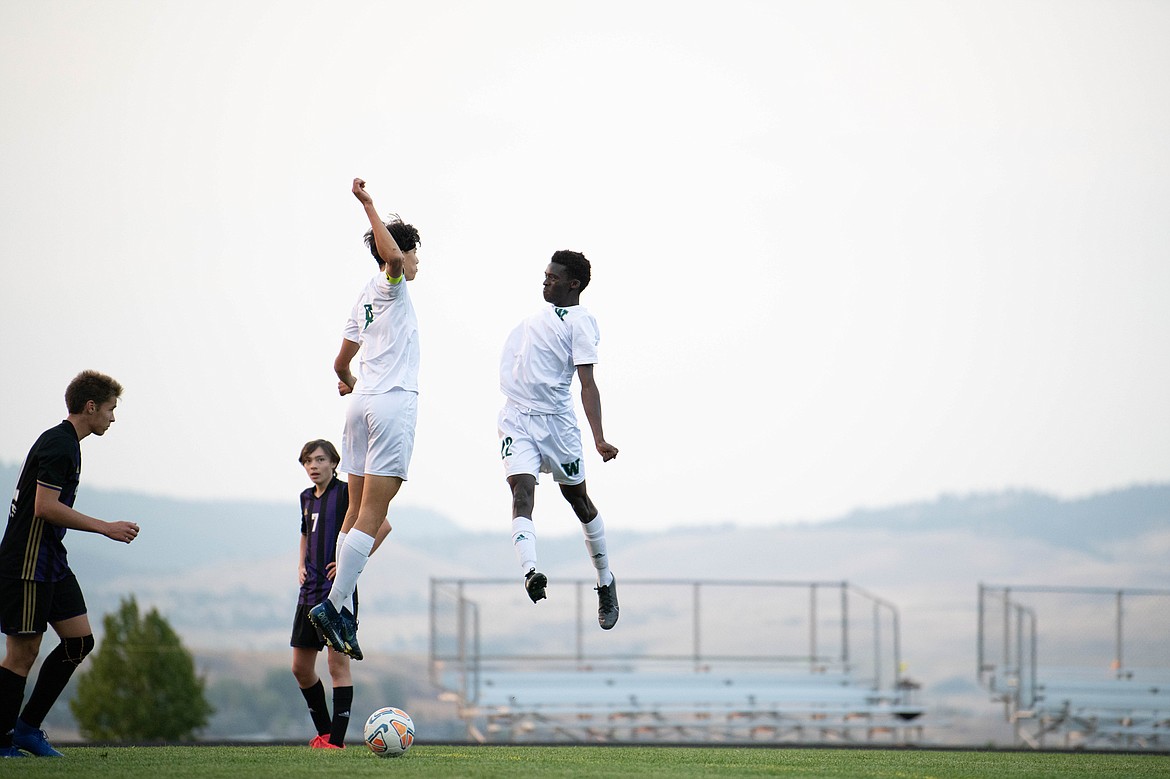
(846, 254)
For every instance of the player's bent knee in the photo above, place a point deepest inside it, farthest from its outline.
(77, 647)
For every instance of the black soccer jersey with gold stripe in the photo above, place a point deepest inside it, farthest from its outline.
(32, 548)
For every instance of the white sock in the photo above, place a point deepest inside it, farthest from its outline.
(524, 542)
(337, 556)
(351, 559)
(594, 531)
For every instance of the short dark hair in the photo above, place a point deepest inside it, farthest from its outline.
(87, 386)
(320, 443)
(406, 236)
(575, 263)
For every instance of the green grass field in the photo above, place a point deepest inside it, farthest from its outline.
(581, 762)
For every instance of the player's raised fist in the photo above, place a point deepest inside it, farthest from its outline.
(359, 191)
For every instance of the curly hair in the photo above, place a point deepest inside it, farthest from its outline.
(405, 235)
(87, 386)
(575, 263)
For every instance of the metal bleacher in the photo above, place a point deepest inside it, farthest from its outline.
(1078, 667)
(690, 661)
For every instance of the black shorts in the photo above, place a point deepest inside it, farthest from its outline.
(305, 634)
(28, 607)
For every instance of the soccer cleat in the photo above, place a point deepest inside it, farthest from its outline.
(325, 617)
(11, 752)
(607, 605)
(323, 742)
(534, 584)
(32, 740)
(349, 627)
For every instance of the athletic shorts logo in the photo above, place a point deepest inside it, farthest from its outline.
(573, 468)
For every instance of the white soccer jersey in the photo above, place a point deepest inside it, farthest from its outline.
(384, 323)
(541, 355)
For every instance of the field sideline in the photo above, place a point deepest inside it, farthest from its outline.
(583, 762)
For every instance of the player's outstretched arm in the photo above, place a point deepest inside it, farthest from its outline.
(591, 402)
(384, 242)
(48, 506)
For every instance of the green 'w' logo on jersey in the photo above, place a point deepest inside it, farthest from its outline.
(369, 314)
(573, 468)
(560, 312)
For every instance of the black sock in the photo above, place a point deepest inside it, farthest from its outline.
(11, 694)
(54, 675)
(342, 701)
(318, 708)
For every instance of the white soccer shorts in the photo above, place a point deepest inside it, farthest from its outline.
(541, 443)
(379, 434)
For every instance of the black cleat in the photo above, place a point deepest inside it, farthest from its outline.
(349, 627)
(607, 605)
(325, 617)
(534, 584)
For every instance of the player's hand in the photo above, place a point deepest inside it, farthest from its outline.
(359, 191)
(331, 571)
(302, 574)
(122, 531)
(344, 389)
(607, 451)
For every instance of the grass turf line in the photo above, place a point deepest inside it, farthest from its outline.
(581, 762)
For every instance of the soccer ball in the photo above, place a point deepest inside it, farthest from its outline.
(389, 732)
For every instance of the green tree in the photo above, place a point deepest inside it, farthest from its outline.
(141, 683)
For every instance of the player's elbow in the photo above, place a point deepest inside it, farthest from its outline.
(45, 509)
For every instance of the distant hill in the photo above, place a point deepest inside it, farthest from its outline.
(1084, 524)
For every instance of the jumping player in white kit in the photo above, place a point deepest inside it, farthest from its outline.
(538, 428)
(378, 440)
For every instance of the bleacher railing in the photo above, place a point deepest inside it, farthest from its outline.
(820, 627)
(1095, 645)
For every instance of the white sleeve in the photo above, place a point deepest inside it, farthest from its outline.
(586, 338)
(353, 325)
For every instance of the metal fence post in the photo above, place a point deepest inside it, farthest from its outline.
(696, 626)
(845, 625)
(812, 626)
(1118, 657)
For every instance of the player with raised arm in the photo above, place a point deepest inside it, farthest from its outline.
(37, 587)
(378, 440)
(538, 428)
